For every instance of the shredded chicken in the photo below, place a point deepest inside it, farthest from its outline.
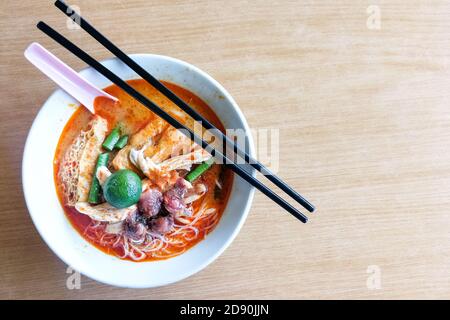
(102, 174)
(104, 212)
(164, 172)
(184, 161)
(195, 193)
(114, 228)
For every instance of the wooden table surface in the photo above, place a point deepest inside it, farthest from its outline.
(364, 119)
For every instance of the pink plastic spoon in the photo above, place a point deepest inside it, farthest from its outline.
(64, 76)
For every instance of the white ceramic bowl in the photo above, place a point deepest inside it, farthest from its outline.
(47, 213)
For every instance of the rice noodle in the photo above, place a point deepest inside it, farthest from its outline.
(154, 245)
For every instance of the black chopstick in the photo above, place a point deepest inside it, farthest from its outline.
(180, 103)
(165, 116)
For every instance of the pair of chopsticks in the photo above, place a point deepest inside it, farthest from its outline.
(181, 104)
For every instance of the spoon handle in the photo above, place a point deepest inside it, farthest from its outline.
(64, 76)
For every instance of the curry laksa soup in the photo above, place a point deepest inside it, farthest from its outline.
(132, 185)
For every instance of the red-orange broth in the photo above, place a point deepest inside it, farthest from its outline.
(133, 116)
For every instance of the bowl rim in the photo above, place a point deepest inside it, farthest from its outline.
(61, 255)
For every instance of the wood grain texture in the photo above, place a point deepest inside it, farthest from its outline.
(364, 122)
